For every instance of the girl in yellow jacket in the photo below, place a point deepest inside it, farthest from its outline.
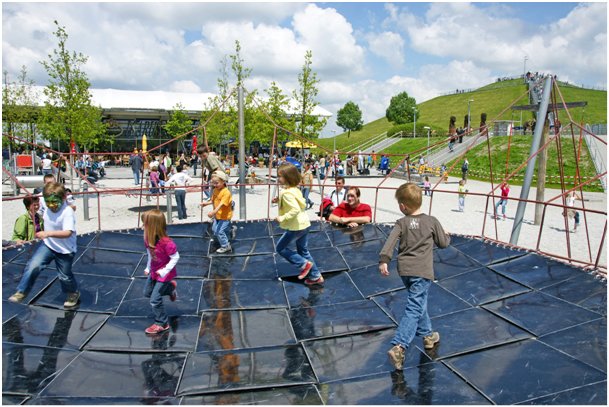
(294, 220)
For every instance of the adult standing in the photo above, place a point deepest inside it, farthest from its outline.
(47, 164)
(352, 212)
(307, 183)
(180, 180)
(464, 169)
(505, 191)
(194, 161)
(211, 162)
(135, 161)
(571, 212)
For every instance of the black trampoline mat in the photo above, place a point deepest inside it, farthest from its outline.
(515, 327)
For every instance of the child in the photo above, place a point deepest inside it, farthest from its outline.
(505, 191)
(155, 180)
(222, 213)
(462, 192)
(427, 186)
(416, 233)
(294, 220)
(70, 199)
(59, 238)
(160, 268)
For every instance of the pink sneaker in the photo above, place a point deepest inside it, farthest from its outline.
(304, 271)
(156, 329)
(320, 280)
(174, 294)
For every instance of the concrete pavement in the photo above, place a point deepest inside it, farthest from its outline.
(118, 207)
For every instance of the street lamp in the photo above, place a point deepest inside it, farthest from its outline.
(469, 116)
(428, 132)
(334, 151)
(414, 129)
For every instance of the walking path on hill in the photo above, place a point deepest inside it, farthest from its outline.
(119, 211)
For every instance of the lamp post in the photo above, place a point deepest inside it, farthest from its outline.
(428, 132)
(334, 151)
(414, 128)
(469, 116)
(524, 75)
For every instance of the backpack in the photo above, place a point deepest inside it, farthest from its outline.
(465, 166)
(325, 208)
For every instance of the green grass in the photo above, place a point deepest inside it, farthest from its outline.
(369, 131)
(519, 152)
(413, 146)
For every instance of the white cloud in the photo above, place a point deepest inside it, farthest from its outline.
(387, 45)
(185, 87)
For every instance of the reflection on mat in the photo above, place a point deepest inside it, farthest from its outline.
(515, 327)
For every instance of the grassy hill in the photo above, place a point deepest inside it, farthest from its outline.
(493, 99)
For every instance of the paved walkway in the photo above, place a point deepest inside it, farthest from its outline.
(119, 210)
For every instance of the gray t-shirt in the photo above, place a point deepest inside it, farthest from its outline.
(416, 235)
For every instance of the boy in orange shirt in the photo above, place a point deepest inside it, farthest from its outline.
(222, 213)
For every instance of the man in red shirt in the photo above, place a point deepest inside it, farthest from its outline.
(351, 212)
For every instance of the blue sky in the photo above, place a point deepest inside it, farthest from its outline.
(362, 52)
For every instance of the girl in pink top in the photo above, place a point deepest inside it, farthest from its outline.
(161, 271)
(505, 191)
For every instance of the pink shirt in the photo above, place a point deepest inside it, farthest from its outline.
(505, 191)
(154, 178)
(164, 248)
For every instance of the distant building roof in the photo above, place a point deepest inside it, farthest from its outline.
(111, 99)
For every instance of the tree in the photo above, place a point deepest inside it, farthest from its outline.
(19, 106)
(349, 118)
(276, 109)
(179, 122)
(309, 125)
(68, 113)
(400, 109)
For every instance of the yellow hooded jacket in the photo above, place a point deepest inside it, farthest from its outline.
(291, 210)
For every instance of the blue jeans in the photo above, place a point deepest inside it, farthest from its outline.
(219, 228)
(42, 258)
(415, 320)
(302, 254)
(181, 203)
(136, 177)
(155, 290)
(503, 203)
(305, 193)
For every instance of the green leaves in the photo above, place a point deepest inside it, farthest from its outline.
(349, 118)
(400, 109)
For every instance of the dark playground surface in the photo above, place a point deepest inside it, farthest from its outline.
(515, 327)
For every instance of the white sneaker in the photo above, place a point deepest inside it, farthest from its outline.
(226, 249)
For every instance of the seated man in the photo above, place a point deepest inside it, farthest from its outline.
(351, 212)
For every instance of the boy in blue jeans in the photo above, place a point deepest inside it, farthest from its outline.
(59, 244)
(416, 234)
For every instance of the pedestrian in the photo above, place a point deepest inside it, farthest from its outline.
(222, 213)
(180, 180)
(160, 268)
(136, 163)
(194, 161)
(462, 192)
(416, 233)
(294, 220)
(28, 224)
(59, 244)
(571, 212)
(464, 169)
(505, 191)
(307, 183)
(427, 186)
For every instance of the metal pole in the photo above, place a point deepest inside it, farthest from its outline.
(169, 204)
(85, 201)
(242, 213)
(428, 131)
(528, 177)
(414, 126)
(469, 115)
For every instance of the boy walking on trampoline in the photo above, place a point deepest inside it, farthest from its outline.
(416, 233)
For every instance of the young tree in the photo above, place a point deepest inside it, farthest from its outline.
(400, 109)
(349, 118)
(309, 125)
(19, 106)
(179, 122)
(68, 113)
(276, 108)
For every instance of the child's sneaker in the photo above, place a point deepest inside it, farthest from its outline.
(72, 300)
(156, 329)
(17, 297)
(320, 280)
(225, 249)
(396, 356)
(304, 271)
(174, 293)
(430, 341)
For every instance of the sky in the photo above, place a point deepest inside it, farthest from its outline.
(364, 52)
